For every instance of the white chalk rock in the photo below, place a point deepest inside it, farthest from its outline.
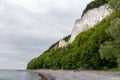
(62, 43)
(91, 18)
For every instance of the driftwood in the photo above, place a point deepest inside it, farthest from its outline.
(44, 76)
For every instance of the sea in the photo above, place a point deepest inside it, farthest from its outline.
(17, 75)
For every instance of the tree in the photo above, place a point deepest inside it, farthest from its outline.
(111, 48)
(114, 4)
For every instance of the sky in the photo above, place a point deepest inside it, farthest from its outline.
(29, 27)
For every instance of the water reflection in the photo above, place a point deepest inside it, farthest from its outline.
(17, 75)
(31, 76)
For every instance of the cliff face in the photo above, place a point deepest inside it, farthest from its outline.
(91, 18)
(89, 45)
(62, 43)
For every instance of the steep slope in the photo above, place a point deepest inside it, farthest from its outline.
(89, 19)
(90, 43)
(94, 13)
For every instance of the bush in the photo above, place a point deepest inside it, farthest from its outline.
(111, 47)
(115, 4)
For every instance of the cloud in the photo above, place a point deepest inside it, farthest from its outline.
(28, 27)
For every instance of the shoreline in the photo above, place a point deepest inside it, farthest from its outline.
(42, 75)
(48, 74)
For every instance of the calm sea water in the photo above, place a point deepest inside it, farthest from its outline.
(17, 75)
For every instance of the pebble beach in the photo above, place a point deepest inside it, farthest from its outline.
(76, 75)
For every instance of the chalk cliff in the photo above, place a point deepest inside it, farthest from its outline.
(90, 45)
(91, 18)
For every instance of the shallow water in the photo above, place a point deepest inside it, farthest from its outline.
(17, 75)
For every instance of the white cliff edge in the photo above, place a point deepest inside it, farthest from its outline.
(91, 18)
(62, 43)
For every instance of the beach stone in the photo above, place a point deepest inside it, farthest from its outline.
(44, 76)
(79, 75)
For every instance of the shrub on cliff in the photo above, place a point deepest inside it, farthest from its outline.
(115, 4)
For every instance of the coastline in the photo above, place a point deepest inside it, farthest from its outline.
(42, 75)
(47, 74)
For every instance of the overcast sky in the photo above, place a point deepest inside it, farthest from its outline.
(28, 27)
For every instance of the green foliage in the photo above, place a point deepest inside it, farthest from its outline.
(96, 48)
(114, 4)
(111, 48)
(87, 45)
(33, 64)
(52, 46)
(94, 4)
(82, 53)
(54, 59)
(118, 60)
(114, 29)
(67, 38)
(55, 45)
